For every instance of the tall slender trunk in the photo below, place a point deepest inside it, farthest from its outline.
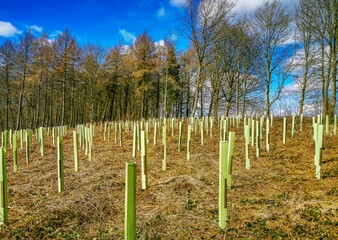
(211, 103)
(227, 107)
(216, 105)
(165, 95)
(237, 97)
(188, 96)
(7, 96)
(143, 104)
(112, 98)
(104, 115)
(333, 97)
(92, 102)
(126, 96)
(63, 100)
(157, 98)
(267, 99)
(202, 102)
(38, 103)
(302, 97)
(84, 105)
(21, 98)
(244, 93)
(45, 106)
(196, 91)
(323, 76)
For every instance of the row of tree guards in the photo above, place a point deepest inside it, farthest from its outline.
(83, 135)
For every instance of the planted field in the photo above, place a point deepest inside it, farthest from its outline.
(279, 197)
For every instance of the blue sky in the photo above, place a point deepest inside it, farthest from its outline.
(104, 22)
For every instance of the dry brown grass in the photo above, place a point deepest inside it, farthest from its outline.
(279, 198)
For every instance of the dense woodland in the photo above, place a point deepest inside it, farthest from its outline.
(234, 65)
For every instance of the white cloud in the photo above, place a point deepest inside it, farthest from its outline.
(161, 12)
(248, 6)
(125, 49)
(292, 88)
(8, 30)
(129, 37)
(35, 28)
(177, 3)
(55, 34)
(160, 43)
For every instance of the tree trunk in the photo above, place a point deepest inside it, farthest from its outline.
(38, 104)
(143, 104)
(126, 95)
(333, 97)
(111, 107)
(211, 103)
(302, 97)
(202, 104)
(44, 122)
(192, 114)
(244, 93)
(216, 105)
(63, 100)
(227, 108)
(237, 97)
(51, 105)
(7, 96)
(157, 98)
(188, 97)
(20, 99)
(267, 99)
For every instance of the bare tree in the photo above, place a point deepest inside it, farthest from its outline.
(271, 24)
(7, 56)
(93, 65)
(24, 62)
(306, 61)
(320, 16)
(200, 23)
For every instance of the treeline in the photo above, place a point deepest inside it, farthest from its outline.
(238, 64)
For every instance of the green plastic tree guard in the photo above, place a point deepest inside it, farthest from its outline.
(164, 137)
(202, 133)
(284, 130)
(335, 125)
(42, 141)
(253, 133)
(144, 162)
(188, 142)
(222, 203)
(247, 141)
(267, 134)
(76, 152)
(134, 141)
(15, 153)
(258, 139)
(61, 181)
(3, 188)
(229, 157)
(130, 202)
(28, 150)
